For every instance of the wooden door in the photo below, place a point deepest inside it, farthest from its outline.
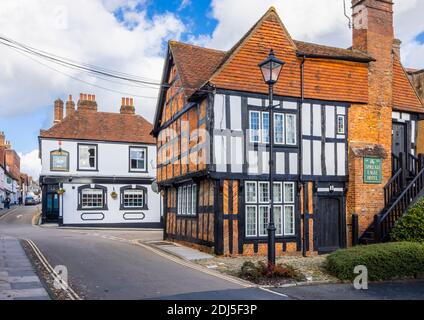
(327, 224)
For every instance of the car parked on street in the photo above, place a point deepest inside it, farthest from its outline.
(30, 200)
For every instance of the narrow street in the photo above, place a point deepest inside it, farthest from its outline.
(103, 266)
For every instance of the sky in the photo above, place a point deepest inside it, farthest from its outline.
(130, 36)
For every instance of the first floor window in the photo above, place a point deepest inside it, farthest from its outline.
(279, 128)
(284, 126)
(341, 124)
(87, 157)
(257, 208)
(138, 159)
(92, 199)
(254, 126)
(290, 129)
(187, 200)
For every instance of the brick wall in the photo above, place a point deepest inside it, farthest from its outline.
(370, 125)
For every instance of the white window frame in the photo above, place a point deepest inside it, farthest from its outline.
(259, 193)
(92, 192)
(179, 200)
(134, 191)
(343, 118)
(259, 127)
(263, 131)
(280, 184)
(287, 116)
(144, 150)
(284, 192)
(256, 191)
(194, 199)
(284, 220)
(187, 200)
(284, 129)
(260, 222)
(256, 221)
(281, 233)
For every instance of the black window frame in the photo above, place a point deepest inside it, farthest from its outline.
(90, 186)
(97, 156)
(130, 187)
(340, 116)
(67, 160)
(130, 169)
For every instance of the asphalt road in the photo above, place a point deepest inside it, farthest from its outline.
(104, 264)
(102, 267)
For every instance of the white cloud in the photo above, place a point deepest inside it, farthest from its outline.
(184, 4)
(85, 31)
(310, 20)
(31, 164)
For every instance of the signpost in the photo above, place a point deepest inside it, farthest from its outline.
(372, 170)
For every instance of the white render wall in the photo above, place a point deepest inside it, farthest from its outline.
(71, 215)
(113, 159)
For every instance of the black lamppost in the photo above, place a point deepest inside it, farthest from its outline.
(271, 68)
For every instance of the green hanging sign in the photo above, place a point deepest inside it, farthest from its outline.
(372, 170)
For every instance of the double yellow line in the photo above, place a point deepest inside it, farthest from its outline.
(50, 270)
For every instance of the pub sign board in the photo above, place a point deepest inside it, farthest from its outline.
(372, 170)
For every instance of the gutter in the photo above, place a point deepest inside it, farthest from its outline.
(341, 58)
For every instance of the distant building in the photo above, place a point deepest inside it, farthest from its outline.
(98, 167)
(10, 175)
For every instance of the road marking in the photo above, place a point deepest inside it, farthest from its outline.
(65, 287)
(8, 213)
(19, 216)
(274, 292)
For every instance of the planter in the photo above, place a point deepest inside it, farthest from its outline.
(60, 191)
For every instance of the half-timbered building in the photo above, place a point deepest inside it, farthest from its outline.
(336, 170)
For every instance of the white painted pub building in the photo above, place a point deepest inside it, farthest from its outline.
(98, 167)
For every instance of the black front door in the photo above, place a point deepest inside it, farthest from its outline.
(51, 203)
(399, 139)
(327, 224)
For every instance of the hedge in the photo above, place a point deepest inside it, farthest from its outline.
(411, 226)
(384, 261)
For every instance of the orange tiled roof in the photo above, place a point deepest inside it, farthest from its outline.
(102, 126)
(405, 97)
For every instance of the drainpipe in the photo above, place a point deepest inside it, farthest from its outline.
(300, 165)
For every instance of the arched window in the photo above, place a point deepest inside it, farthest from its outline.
(92, 197)
(133, 197)
(59, 160)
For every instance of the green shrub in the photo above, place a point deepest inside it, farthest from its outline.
(255, 273)
(384, 261)
(411, 226)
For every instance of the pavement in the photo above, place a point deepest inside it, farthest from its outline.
(18, 279)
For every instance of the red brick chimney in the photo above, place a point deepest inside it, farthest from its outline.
(127, 106)
(70, 106)
(87, 102)
(2, 139)
(373, 33)
(58, 111)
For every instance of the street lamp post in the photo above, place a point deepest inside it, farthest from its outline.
(271, 68)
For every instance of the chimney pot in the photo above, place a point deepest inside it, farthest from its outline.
(58, 111)
(123, 102)
(70, 97)
(127, 101)
(87, 102)
(127, 106)
(132, 102)
(93, 96)
(81, 96)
